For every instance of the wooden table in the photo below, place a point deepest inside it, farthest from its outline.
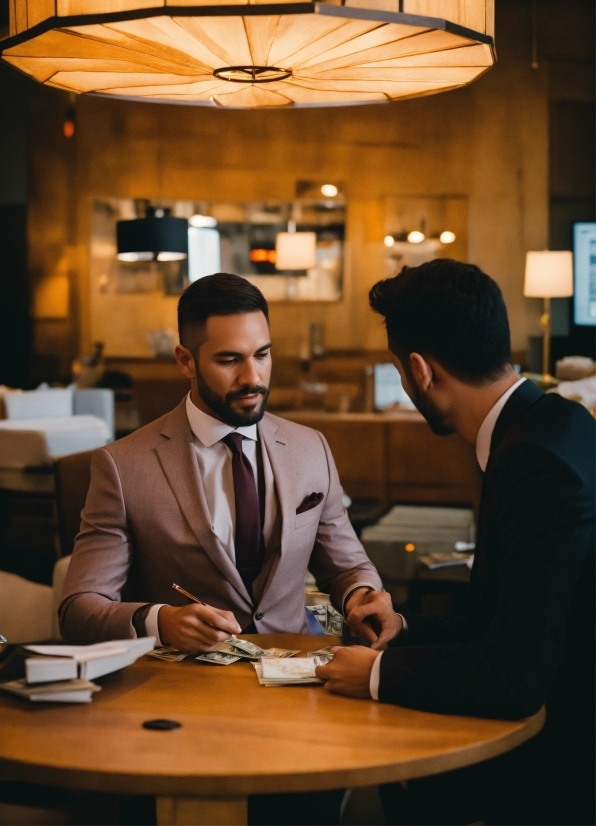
(237, 738)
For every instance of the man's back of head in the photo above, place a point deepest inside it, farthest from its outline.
(450, 311)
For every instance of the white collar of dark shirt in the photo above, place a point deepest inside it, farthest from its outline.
(485, 433)
(209, 431)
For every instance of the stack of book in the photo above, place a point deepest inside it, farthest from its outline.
(64, 673)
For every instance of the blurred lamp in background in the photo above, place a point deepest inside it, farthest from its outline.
(549, 274)
(295, 251)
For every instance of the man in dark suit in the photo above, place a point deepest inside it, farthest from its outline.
(528, 637)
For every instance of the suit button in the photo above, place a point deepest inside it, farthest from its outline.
(258, 616)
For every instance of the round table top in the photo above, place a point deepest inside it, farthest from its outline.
(236, 737)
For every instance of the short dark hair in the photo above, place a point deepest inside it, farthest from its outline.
(450, 311)
(218, 294)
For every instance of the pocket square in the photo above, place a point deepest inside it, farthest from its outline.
(310, 502)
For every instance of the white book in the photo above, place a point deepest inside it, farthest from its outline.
(68, 691)
(91, 660)
(48, 669)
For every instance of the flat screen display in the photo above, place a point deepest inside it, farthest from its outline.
(388, 388)
(584, 266)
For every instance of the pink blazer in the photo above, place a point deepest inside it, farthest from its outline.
(146, 525)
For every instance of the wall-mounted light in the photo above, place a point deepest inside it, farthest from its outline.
(389, 240)
(416, 237)
(447, 237)
(329, 190)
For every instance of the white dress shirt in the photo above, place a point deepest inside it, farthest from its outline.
(483, 440)
(215, 465)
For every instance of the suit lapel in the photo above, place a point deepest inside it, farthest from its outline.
(525, 396)
(277, 451)
(179, 464)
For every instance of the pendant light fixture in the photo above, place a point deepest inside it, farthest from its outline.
(252, 54)
(156, 236)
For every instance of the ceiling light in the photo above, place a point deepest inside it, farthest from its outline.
(416, 237)
(329, 190)
(389, 241)
(447, 237)
(202, 221)
(233, 54)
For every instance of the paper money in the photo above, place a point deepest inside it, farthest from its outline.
(319, 612)
(217, 658)
(228, 648)
(322, 656)
(274, 671)
(246, 646)
(334, 622)
(168, 654)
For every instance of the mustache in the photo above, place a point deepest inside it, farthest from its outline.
(246, 390)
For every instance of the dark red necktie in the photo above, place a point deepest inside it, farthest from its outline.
(247, 537)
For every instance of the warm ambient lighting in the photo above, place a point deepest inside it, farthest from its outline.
(132, 257)
(240, 54)
(329, 190)
(202, 221)
(296, 251)
(409, 547)
(549, 274)
(416, 237)
(388, 240)
(261, 256)
(447, 237)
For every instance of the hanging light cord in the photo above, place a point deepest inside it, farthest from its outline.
(534, 34)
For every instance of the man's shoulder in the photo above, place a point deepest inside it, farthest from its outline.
(150, 435)
(292, 430)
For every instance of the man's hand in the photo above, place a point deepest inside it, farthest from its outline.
(195, 627)
(376, 606)
(349, 671)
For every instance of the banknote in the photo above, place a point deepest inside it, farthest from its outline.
(228, 648)
(322, 656)
(319, 612)
(246, 646)
(274, 671)
(217, 658)
(168, 654)
(334, 622)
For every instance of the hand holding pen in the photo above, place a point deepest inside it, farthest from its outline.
(195, 627)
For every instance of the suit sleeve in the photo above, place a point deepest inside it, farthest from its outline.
(542, 526)
(339, 562)
(91, 609)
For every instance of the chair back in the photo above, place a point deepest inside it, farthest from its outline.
(72, 474)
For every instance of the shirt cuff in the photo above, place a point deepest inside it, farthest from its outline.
(151, 625)
(375, 676)
(351, 590)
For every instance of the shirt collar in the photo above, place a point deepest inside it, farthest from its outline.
(209, 431)
(485, 433)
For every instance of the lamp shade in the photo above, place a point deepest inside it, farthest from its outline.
(252, 53)
(549, 274)
(295, 250)
(146, 238)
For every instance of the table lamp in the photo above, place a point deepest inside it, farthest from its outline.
(549, 274)
(296, 251)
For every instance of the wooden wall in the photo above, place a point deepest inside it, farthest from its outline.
(487, 143)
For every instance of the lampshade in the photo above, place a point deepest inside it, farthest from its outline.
(250, 53)
(143, 239)
(549, 274)
(295, 250)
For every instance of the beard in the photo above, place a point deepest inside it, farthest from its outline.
(222, 405)
(436, 419)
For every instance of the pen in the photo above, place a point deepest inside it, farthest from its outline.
(186, 594)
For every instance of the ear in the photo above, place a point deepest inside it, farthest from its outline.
(185, 361)
(421, 371)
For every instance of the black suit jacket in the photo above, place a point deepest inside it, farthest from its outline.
(528, 636)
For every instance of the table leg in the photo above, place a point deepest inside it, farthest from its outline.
(202, 811)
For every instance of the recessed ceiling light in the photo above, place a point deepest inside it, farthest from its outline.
(447, 237)
(416, 237)
(202, 221)
(329, 190)
(389, 240)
